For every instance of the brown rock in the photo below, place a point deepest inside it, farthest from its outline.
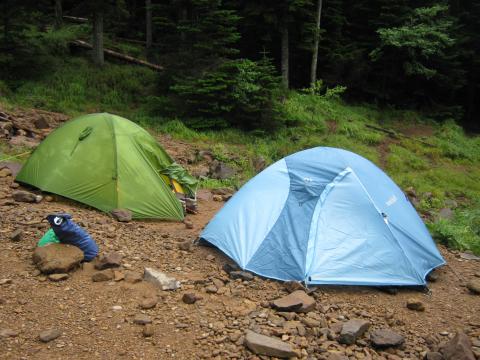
(431, 355)
(458, 348)
(57, 258)
(16, 235)
(189, 298)
(269, 346)
(109, 260)
(383, 338)
(58, 277)
(122, 215)
(415, 304)
(118, 275)
(185, 245)
(351, 330)
(292, 286)
(5, 172)
(105, 275)
(474, 286)
(297, 301)
(337, 356)
(142, 319)
(24, 196)
(49, 335)
(132, 277)
(5, 333)
(149, 303)
(188, 224)
(148, 330)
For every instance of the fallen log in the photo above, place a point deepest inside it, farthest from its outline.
(117, 55)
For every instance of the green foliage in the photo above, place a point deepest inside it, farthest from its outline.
(238, 92)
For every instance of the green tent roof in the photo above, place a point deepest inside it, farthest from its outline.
(107, 162)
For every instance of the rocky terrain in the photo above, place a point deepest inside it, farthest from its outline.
(154, 294)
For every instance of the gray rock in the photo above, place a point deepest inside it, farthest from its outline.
(469, 256)
(160, 279)
(297, 301)
(122, 215)
(142, 319)
(383, 338)
(185, 245)
(211, 289)
(58, 277)
(474, 286)
(269, 346)
(49, 335)
(220, 170)
(24, 196)
(337, 356)
(244, 275)
(5, 333)
(415, 304)
(458, 348)
(57, 258)
(105, 275)
(16, 235)
(445, 214)
(351, 330)
(432, 355)
(109, 260)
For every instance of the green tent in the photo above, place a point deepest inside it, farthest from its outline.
(109, 162)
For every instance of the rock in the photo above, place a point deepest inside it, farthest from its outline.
(24, 141)
(297, 301)
(220, 170)
(292, 286)
(160, 279)
(351, 330)
(458, 348)
(383, 338)
(431, 355)
(445, 214)
(189, 298)
(337, 356)
(185, 245)
(49, 335)
(415, 304)
(228, 268)
(148, 330)
(108, 260)
(218, 283)
(14, 167)
(5, 172)
(217, 198)
(142, 319)
(24, 196)
(57, 258)
(5, 281)
(269, 346)
(188, 224)
(244, 275)
(149, 303)
(210, 257)
(100, 276)
(118, 275)
(132, 277)
(5, 333)
(474, 286)
(16, 235)
(122, 215)
(259, 163)
(211, 289)
(469, 256)
(432, 276)
(58, 277)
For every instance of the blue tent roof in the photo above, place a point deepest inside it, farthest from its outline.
(325, 216)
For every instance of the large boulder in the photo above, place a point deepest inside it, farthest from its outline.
(458, 348)
(57, 258)
(269, 346)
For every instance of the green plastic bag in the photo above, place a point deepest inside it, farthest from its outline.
(48, 238)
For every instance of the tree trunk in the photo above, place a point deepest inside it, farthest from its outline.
(183, 20)
(98, 56)
(58, 14)
(285, 52)
(316, 39)
(148, 30)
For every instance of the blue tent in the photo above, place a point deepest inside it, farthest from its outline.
(325, 216)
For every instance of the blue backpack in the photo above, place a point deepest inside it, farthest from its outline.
(70, 233)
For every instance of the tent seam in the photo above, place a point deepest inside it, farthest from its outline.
(115, 159)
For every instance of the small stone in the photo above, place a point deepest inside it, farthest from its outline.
(243, 275)
(5, 281)
(228, 268)
(469, 256)
(58, 277)
(16, 235)
(351, 330)
(297, 301)
(432, 276)
(109, 260)
(218, 283)
(383, 338)
(116, 308)
(122, 215)
(133, 277)
(49, 335)
(415, 304)
(142, 319)
(269, 346)
(5, 172)
(474, 286)
(118, 275)
(217, 198)
(459, 348)
(185, 245)
(188, 224)
(160, 279)
(210, 257)
(292, 286)
(105, 275)
(24, 196)
(211, 289)
(189, 298)
(148, 330)
(5, 333)
(149, 303)
(431, 355)
(337, 356)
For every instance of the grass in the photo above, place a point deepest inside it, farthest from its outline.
(443, 174)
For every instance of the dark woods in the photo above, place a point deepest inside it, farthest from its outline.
(229, 63)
